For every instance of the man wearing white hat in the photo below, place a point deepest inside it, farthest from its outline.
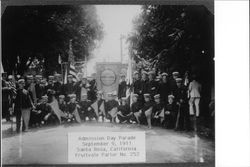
(57, 84)
(124, 114)
(153, 86)
(194, 93)
(170, 112)
(99, 105)
(172, 81)
(81, 88)
(181, 99)
(147, 109)
(69, 87)
(136, 107)
(158, 111)
(86, 110)
(38, 87)
(144, 82)
(22, 105)
(42, 109)
(30, 86)
(73, 109)
(137, 86)
(164, 89)
(122, 87)
(111, 106)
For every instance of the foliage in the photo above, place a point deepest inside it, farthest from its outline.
(169, 38)
(174, 37)
(44, 32)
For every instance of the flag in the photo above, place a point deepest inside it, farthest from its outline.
(101, 108)
(72, 69)
(73, 72)
(12, 85)
(162, 113)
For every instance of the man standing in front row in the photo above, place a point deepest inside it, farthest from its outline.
(111, 107)
(194, 92)
(136, 107)
(122, 87)
(22, 105)
(124, 114)
(137, 86)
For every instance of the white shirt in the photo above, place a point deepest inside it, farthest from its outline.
(194, 89)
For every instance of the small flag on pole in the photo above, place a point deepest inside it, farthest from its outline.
(73, 72)
(72, 69)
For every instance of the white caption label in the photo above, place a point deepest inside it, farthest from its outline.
(106, 147)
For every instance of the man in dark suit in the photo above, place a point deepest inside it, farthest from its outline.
(57, 85)
(122, 87)
(68, 88)
(153, 86)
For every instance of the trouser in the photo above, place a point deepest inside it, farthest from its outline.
(5, 111)
(137, 115)
(170, 120)
(26, 117)
(194, 106)
(148, 115)
(83, 115)
(34, 118)
(91, 114)
(183, 120)
(52, 120)
(18, 120)
(124, 118)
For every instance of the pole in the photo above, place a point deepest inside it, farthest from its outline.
(85, 64)
(121, 46)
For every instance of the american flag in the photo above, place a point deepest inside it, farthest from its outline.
(73, 72)
(72, 69)
(12, 86)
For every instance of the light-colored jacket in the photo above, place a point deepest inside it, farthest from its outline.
(194, 89)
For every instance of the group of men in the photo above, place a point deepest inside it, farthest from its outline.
(163, 100)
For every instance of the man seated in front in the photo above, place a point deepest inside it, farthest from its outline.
(170, 113)
(158, 111)
(37, 115)
(136, 107)
(63, 107)
(124, 114)
(111, 107)
(85, 108)
(73, 108)
(99, 106)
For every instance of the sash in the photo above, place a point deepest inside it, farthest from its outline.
(95, 107)
(162, 113)
(113, 112)
(55, 107)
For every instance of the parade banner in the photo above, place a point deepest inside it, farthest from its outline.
(108, 76)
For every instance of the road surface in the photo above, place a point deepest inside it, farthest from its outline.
(48, 145)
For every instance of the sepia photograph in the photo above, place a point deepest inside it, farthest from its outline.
(108, 84)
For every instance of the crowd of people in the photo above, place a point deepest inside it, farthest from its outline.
(166, 100)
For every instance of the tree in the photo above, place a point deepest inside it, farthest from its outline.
(179, 36)
(176, 38)
(44, 32)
